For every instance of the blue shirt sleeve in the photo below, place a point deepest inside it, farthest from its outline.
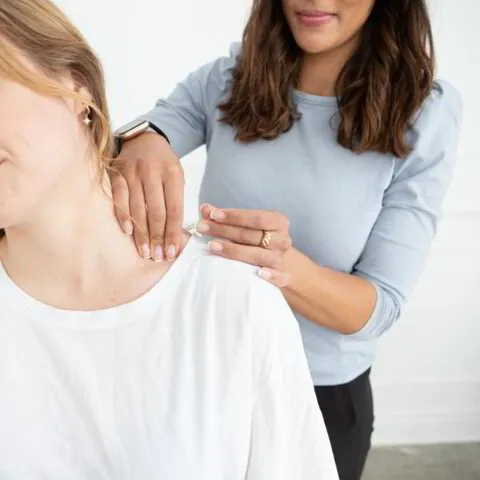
(398, 246)
(184, 116)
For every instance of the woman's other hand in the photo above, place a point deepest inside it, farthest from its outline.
(240, 234)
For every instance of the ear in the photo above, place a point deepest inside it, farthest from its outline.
(80, 105)
(75, 85)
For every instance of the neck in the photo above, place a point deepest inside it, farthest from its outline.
(73, 238)
(319, 72)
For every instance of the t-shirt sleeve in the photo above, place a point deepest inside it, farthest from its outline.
(186, 115)
(289, 440)
(398, 247)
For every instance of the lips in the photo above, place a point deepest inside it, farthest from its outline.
(314, 13)
(314, 17)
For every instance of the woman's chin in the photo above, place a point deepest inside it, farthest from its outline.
(316, 43)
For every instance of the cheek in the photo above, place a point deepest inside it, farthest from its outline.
(354, 15)
(45, 143)
(48, 136)
(41, 141)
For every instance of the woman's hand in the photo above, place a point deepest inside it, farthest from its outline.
(240, 234)
(148, 193)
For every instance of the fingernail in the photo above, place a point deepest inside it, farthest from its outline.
(215, 247)
(217, 215)
(171, 252)
(146, 251)
(158, 255)
(202, 227)
(128, 228)
(204, 205)
(265, 274)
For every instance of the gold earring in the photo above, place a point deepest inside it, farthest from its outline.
(88, 116)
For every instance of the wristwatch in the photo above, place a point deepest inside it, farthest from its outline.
(132, 130)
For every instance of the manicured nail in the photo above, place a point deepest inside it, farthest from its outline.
(158, 254)
(171, 252)
(202, 227)
(128, 228)
(215, 247)
(265, 274)
(217, 215)
(146, 251)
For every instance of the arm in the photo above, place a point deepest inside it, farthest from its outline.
(182, 115)
(369, 300)
(148, 170)
(335, 300)
(289, 440)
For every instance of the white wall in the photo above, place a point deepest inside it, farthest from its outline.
(427, 377)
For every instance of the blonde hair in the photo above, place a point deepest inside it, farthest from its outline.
(41, 32)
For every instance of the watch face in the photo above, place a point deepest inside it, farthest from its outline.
(132, 129)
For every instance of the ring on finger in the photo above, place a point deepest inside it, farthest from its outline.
(266, 239)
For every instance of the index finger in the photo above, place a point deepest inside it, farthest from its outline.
(174, 201)
(121, 202)
(254, 219)
(154, 198)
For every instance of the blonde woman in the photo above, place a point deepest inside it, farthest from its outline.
(112, 366)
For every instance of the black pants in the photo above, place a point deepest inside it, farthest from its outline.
(348, 413)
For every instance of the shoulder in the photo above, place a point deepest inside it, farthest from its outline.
(253, 307)
(223, 67)
(238, 278)
(443, 106)
(434, 134)
(236, 286)
(216, 76)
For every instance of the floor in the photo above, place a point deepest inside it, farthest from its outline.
(445, 462)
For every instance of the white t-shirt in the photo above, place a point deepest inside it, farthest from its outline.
(203, 377)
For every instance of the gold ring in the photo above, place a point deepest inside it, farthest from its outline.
(266, 239)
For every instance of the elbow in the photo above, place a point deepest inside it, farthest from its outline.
(387, 310)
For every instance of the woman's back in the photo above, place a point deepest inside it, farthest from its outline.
(202, 377)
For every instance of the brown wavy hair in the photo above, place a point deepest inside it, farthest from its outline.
(379, 90)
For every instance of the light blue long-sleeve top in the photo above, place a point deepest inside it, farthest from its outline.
(370, 215)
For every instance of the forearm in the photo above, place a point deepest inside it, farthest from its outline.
(335, 300)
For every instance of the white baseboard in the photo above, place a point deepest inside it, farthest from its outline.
(427, 412)
(424, 428)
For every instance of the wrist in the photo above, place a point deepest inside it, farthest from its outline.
(134, 130)
(294, 262)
